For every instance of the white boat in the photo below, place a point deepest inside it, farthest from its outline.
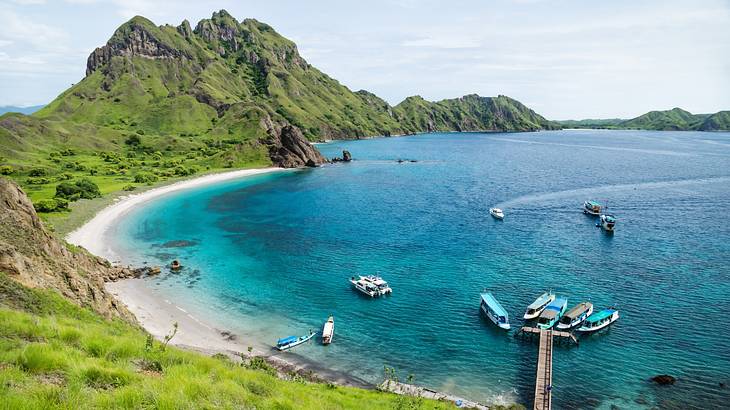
(575, 316)
(607, 222)
(371, 285)
(496, 213)
(328, 331)
(539, 305)
(292, 341)
(591, 208)
(599, 320)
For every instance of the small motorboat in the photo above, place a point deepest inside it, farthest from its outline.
(591, 208)
(575, 316)
(599, 320)
(175, 265)
(607, 222)
(538, 305)
(552, 313)
(496, 213)
(292, 341)
(328, 331)
(494, 311)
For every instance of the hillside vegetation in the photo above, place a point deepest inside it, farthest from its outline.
(675, 119)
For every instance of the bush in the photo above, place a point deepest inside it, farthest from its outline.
(6, 170)
(83, 188)
(129, 188)
(140, 132)
(46, 205)
(38, 172)
(133, 140)
(37, 181)
(65, 176)
(145, 178)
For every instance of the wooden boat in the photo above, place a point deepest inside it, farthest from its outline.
(575, 316)
(599, 320)
(591, 208)
(175, 265)
(552, 313)
(494, 311)
(292, 341)
(496, 213)
(328, 331)
(539, 305)
(607, 222)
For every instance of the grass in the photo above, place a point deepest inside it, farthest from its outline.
(55, 355)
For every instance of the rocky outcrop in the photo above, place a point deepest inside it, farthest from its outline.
(664, 379)
(32, 256)
(346, 157)
(288, 148)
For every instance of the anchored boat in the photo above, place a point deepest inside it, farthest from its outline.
(607, 222)
(371, 285)
(496, 213)
(591, 208)
(292, 341)
(552, 313)
(575, 316)
(599, 320)
(328, 331)
(539, 305)
(494, 311)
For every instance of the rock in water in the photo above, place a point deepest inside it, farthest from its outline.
(346, 157)
(664, 379)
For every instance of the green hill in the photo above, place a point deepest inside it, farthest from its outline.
(675, 119)
(720, 121)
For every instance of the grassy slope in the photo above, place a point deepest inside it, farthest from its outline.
(719, 121)
(55, 355)
(674, 119)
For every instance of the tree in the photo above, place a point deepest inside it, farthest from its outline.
(6, 170)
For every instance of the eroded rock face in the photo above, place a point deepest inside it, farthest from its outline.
(36, 259)
(288, 148)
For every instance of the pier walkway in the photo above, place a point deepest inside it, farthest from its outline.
(544, 377)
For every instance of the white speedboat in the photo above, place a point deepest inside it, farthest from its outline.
(371, 285)
(496, 213)
(539, 305)
(575, 316)
(328, 331)
(607, 222)
(379, 283)
(599, 320)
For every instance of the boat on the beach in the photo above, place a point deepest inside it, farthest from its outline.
(371, 285)
(292, 341)
(538, 305)
(328, 331)
(591, 208)
(575, 316)
(599, 320)
(496, 213)
(494, 310)
(607, 222)
(552, 313)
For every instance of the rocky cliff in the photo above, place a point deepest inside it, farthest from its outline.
(32, 256)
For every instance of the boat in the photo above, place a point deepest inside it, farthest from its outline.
(575, 316)
(328, 331)
(591, 208)
(496, 213)
(552, 313)
(539, 305)
(371, 285)
(599, 320)
(292, 341)
(607, 222)
(494, 311)
(175, 265)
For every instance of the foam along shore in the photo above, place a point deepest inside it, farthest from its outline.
(91, 234)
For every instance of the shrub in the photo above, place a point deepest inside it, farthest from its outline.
(145, 178)
(140, 132)
(38, 172)
(129, 188)
(6, 170)
(45, 205)
(133, 140)
(83, 188)
(65, 176)
(37, 181)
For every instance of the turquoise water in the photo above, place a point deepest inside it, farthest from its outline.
(269, 256)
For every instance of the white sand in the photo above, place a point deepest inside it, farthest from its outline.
(91, 234)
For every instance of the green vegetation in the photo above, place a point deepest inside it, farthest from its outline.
(55, 355)
(675, 119)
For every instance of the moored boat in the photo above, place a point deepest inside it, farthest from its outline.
(591, 208)
(496, 213)
(599, 320)
(292, 341)
(575, 316)
(539, 305)
(175, 265)
(494, 310)
(552, 313)
(328, 331)
(379, 283)
(371, 285)
(607, 222)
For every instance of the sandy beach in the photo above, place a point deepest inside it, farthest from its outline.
(91, 234)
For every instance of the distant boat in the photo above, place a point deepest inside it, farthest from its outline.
(552, 313)
(496, 213)
(292, 341)
(539, 305)
(599, 320)
(607, 222)
(591, 208)
(575, 316)
(328, 331)
(175, 265)
(371, 285)
(494, 311)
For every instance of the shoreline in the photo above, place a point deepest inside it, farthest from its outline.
(90, 234)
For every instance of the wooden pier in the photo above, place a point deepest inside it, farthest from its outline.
(560, 336)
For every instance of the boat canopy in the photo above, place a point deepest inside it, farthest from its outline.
(610, 218)
(598, 316)
(539, 302)
(578, 310)
(494, 305)
(287, 340)
(593, 204)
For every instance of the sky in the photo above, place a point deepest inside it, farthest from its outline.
(564, 59)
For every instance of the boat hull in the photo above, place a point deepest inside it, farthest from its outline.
(536, 313)
(328, 331)
(493, 318)
(575, 322)
(614, 317)
(295, 344)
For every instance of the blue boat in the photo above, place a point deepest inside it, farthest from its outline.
(552, 313)
(494, 311)
(599, 320)
(291, 341)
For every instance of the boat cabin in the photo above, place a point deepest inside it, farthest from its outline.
(599, 319)
(592, 207)
(576, 312)
(494, 310)
(285, 341)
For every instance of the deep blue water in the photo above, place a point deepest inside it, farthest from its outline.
(271, 256)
